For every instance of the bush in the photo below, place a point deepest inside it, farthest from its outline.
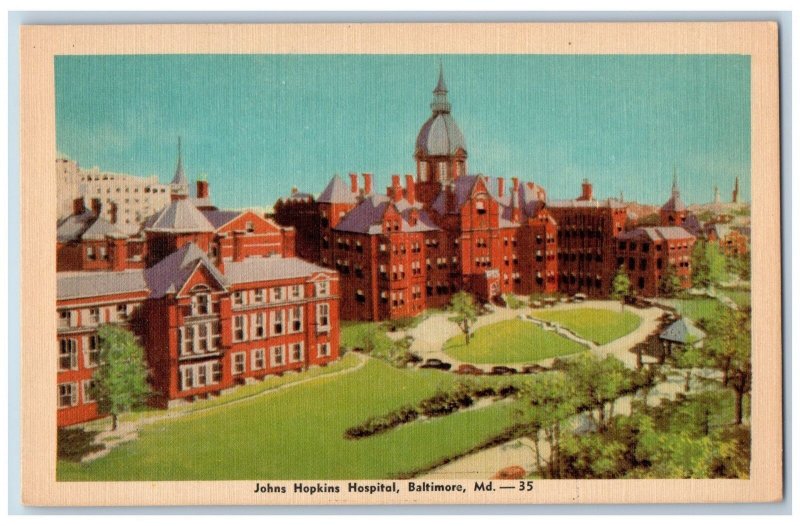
(513, 302)
(74, 444)
(380, 424)
(444, 403)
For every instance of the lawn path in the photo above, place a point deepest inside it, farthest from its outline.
(129, 430)
(431, 335)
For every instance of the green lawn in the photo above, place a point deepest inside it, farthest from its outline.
(699, 308)
(354, 334)
(511, 341)
(740, 296)
(598, 325)
(297, 433)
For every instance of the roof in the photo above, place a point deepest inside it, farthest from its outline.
(219, 218)
(169, 275)
(367, 217)
(72, 285)
(693, 224)
(591, 203)
(86, 226)
(657, 233)
(682, 331)
(255, 269)
(179, 216)
(337, 192)
(675, 204)
(440, 135)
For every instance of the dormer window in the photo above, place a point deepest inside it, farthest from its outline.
(250, 227)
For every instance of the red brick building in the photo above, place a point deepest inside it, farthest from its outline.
(222, 301)
(645, 253)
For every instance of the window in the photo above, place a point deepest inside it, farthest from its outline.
(277, 294)
(188, 378)
(67, 395)
(200, 304)
(258, 359)
(202, 338)
(92, 351)
(258, 296)
(239, 328)
(277, 356)
(94, 315)
(258, 326)
(322, 288)
(238, 299)
(238, 362)
(103, 253)
(297, 352)
(88, 391)
(297, 292)
(323, 319)
(68, 354)
(201, 375)
(216, 372)
(277, 322)
(64, 319)
(187, 343)
(122, 311)
(249, 226)
(297, 319)
(90, 255)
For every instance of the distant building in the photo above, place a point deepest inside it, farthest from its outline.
(645, 253)
(674, 211)
(732, 241)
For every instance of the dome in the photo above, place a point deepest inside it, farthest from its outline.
(440, 136)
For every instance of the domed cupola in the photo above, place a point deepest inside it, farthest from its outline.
(440, 151)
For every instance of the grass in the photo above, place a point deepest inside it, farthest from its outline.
(297, 433)
(511, 341)
(739, 296)
(598, 325)
(699, 308)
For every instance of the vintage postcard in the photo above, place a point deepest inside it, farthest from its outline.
(401, 264)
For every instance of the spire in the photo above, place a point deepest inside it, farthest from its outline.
(675, 191)
(180, 177)
(440, 103)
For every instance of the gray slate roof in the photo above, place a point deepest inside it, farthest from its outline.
(219, 218)
(179, 216)
(681, 331)
(440, 136)
(86, 226)
(367, 217)
(337, 192)
(656, 233)
(675, 204)
(526, 198)
(170, 274)
(255, 269)
(72, 285)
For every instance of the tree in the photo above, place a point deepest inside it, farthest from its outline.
(120, 380)
(669, 284)
(620, 286)
(598, 383)
(708, 265)
(464, 312)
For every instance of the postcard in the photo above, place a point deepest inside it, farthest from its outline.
(400, 264)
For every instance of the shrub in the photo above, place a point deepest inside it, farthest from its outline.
(444, 403)
(74, 444)
(380, 424)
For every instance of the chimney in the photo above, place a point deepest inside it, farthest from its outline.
(411, 193)
(515, 184)
(450, 196)
(97, 206)
(395, 192)
(501, 184)
(515, 211)
(119, 254)
(413, 217)
(586, 191)
(78, 206)
(238, 245)
(202, 190)
(367, 183)
(354, 183)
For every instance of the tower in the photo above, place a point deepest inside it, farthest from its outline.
(674, 211)
(440, 151)
(179, 187)
(735, 198)
(716, 194)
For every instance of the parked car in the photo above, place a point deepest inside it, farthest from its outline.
(502, 369)
(535, 368)
(466, 368)
(435, 363)
(580, 297)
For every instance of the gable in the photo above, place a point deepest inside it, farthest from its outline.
(200, 276)
(260, 225)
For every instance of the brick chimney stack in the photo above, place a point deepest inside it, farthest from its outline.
(395, 191)
(501, 187)
(367, 183)
(97, 206)
(411, 193)
(586, 191)
(202, 190)
(238, 245)
(354, 183)
(119, 254)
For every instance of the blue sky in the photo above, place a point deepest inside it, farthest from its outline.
(257, 125)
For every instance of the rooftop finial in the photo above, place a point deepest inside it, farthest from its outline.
(440, 103)
(180, 177)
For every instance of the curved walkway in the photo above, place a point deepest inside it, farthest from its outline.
(129, 430)
(431, 335)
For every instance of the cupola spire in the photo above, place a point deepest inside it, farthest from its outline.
(180, 177)
(440, 103)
